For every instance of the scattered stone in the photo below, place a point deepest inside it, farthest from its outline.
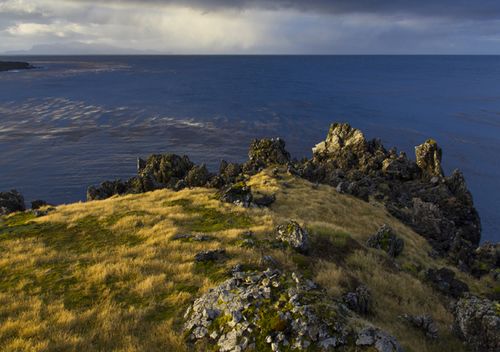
(294, 235)
(360, 300)
(379, 339)
(192, 237)
(212, 255)
(386, 240)
(444, 281)
(477, 322)
(424, 323)
(429, 158)
(11, 202)
(238, 193)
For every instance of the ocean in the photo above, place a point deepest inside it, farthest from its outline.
(76, 121)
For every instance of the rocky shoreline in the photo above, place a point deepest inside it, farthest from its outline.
(14, 65)
(269, 307)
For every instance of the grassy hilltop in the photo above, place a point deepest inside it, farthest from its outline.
(108, 275)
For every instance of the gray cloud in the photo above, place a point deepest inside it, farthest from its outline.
(473, 9)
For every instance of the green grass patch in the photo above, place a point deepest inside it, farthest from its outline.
(208, 219)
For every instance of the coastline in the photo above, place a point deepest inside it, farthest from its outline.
(15, 65)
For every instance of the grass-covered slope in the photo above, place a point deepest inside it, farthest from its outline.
(109, 276)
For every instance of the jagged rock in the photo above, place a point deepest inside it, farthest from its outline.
(265, 152)
(167, 169)
(37, 204)
(11, 202)
(428, 157)
(424, 323)
(486, 259)
(141, 164)
(294, 235)
(386, 240)
(477, 321)
(444, 281)
(212, 255)
(360, 300)
(198, 176)
(265, 200)
(380, 340)
(341, 135)
(268, 306)
(399, 168)
(238, 193)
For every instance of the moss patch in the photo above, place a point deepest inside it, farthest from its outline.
(206, 219)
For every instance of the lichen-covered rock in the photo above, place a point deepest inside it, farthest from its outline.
(11, 202)
(424, 323)
(360, 300)
(444, 281)
(238, 194)
(198, 176)
(167, 169)
(428, 157)
(266, 310)
(294, 235)
(210, 256)
(378, 339)
(265, 152)
(386, 240)
(477, 321)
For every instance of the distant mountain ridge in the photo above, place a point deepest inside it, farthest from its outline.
(78, 48)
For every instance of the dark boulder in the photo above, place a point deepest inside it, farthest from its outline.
(37, 204)
(291, 233)
(167, 169)
(13, 65)
(486, 259)
(238, 193)
(264, 200)
(107, 189)
(210, 256)
(11, 202)
(424, 323)
(477, 322)
(444, 281)
(386, 240)
(360, 300)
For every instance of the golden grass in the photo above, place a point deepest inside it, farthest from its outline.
(107, 275)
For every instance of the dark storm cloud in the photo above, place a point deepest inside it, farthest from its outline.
(473, 9)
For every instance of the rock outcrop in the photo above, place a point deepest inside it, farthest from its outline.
(438, 208)
(477, 321)
(386, 240)
(444, 281)
(277, 311)
(294, 235)
(11, 202)
(359, 300)
(13, 65)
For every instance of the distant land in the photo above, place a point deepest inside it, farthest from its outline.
(78, 48)
(12, 65)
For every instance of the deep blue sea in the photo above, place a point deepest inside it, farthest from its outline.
(76, 121)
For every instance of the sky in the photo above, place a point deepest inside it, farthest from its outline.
(251, 26)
